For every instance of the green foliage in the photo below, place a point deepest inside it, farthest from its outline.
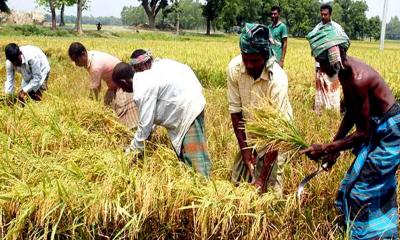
(393, 28)
(133, 16)
(353, 19)
(374, 28)
(33, 30)
(190, 16)
(3, 6)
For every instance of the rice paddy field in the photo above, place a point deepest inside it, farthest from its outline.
(63, 173)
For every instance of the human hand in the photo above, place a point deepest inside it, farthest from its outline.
(22, 96)
(249, 160)
(329, 160)
(134, 153)
(314, 152)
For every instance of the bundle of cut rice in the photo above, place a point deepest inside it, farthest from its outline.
(268, 127)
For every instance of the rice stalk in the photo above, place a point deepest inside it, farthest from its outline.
(268, 127)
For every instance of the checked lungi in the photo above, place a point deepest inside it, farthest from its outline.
(367, 195)
(327, 95)
(123, 105)
(194, 150)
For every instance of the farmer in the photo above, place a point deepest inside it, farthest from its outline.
(170, 95)
(34, 67)
(100, 66)
(327, 94)
(251, 76)
(141, 60)
(367, 195)
(279, 36)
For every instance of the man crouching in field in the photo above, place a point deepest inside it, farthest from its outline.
(367, 195)
(100, 66)
(141, 60)
(32, 63)
(254, 75)
(169, 94)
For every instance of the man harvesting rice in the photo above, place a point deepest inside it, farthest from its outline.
(34, 67)
(141, 60)
(252, 76)
(170, 95)
(100, 66)
(367, 195)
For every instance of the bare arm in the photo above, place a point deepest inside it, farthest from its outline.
(284, 47)
(361, 116)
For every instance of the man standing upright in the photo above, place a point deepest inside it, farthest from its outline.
(279, 35)
(327, 94)
(252, 76)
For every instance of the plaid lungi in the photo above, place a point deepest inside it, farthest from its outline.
(367, 195)
(123, 105)
(240, 172)
(194, 150)
(327, 94)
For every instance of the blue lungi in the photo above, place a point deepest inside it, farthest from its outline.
(367, 195)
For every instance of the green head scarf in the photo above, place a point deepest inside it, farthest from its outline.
(326, 37)
(255, 39)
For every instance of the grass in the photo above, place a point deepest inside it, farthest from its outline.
(63, 173)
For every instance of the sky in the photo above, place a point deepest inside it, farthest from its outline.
(114, 7)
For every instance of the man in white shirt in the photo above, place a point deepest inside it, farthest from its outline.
(170, 95)
(32, 63)
(327, 94)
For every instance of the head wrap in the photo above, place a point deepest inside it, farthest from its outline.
(142, 58)
(325, 43)
(255, 39)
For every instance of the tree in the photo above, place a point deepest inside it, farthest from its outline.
(301, 15)
(79, 8)
(152, 8)
(4, 7)
(374, 28)
(61, 4)
(133, 15)
(354, 18)
(51, 4)
(211, 10)
(393, 28)
(190, 15)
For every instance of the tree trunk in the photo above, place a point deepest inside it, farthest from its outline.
(152, 21)
(177, 23)
(62, 23)
(53, 15)
(79, 17)
(208, 26)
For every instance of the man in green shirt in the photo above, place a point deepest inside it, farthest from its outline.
(279, 34)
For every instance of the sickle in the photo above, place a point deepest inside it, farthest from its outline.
(304, 182)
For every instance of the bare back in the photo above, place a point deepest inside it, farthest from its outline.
(361, 79)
